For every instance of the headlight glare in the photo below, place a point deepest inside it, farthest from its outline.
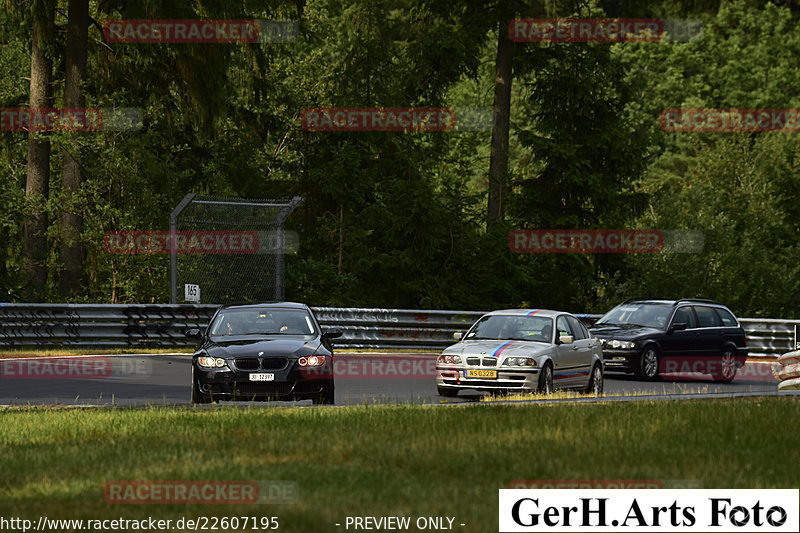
(622, 345)
(311, 360)
(210, 362)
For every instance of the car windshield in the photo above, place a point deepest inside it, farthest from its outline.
(256, 321)
(648, 315)
(517, 327)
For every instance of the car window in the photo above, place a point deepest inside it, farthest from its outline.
(586, 332)
(577, 330)
(684, 315)
(532, 328)
(726, 316)
(706, 317)
(637, 314)
(262, 321)
(562, 326)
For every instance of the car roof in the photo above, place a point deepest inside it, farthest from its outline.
(659, 301)
(284, 305)
(528, 312)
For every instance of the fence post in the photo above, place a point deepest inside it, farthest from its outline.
(173, 261)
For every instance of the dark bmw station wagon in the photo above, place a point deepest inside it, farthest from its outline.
(652, 337)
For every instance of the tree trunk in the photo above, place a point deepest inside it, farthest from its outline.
(501, 117)
(37, 181)
(71, 220)
(341, 238)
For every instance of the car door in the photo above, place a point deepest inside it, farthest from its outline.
(584, 342)
(680, 343)
(708, 340)
(566, 368)
(731, 331)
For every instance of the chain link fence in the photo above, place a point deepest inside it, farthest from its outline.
(229, 250)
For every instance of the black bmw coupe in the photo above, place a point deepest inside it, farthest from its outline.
(262, 352)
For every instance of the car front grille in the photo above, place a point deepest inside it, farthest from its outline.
(273, 363)
(246, 363)
(487, 361)
(250, 364)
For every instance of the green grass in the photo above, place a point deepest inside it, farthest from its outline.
(384, 460)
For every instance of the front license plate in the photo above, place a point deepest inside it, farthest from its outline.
(262, 377)
(485, 374)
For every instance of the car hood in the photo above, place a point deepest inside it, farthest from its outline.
(616, 332)
(253, 347)
(498, 348)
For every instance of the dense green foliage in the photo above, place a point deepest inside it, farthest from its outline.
(398, 219)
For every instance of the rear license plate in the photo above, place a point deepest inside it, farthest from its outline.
(485, 374)
(262, 377)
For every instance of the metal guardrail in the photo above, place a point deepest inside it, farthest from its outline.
(163, 325)
(109, 325)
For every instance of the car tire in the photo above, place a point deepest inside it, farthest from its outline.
(546, 379)
(198, 397)
(327, 396)
(649, 364)
(595, 385)
(727, 369)
(446, 392)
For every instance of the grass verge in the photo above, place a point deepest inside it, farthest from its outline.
(384, 460)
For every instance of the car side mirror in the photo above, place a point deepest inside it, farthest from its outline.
(332, 333)
(566, 339)
(678, 326)
(194, 333)
(457, 336)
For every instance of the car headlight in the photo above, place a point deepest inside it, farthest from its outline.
(519, 361)
(311, 360)
(621, 345)
(449, 359)
(210, 362)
